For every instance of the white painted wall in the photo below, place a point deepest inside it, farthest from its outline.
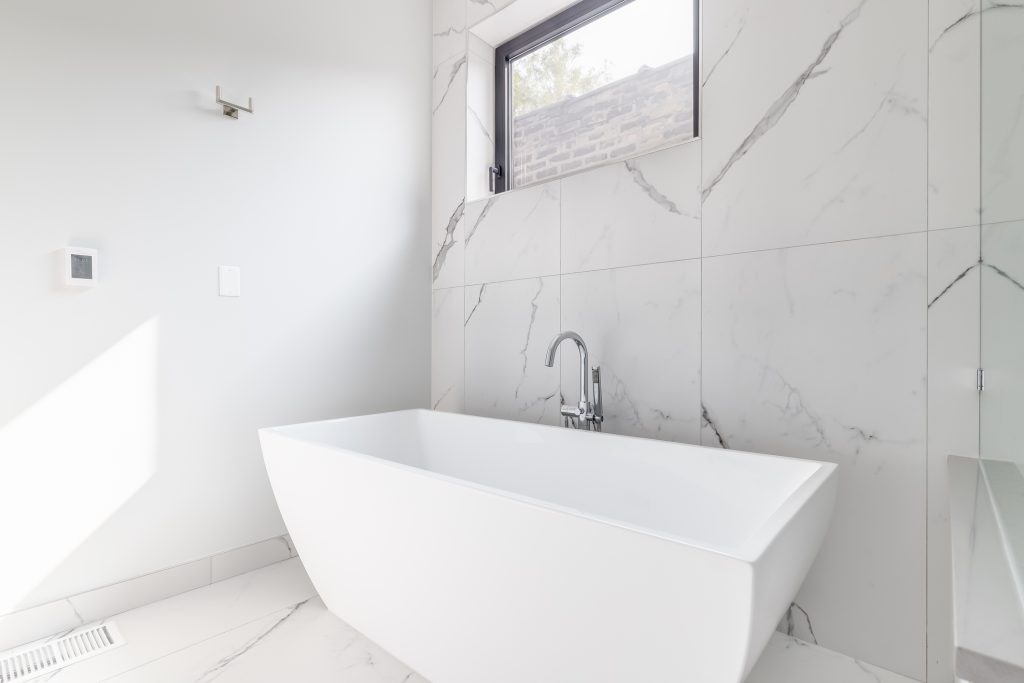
(128, 412)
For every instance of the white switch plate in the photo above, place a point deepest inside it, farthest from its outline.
(230, 280)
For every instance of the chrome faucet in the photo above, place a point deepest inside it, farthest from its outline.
(585, 415)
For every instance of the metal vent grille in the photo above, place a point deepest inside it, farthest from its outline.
(32, 661)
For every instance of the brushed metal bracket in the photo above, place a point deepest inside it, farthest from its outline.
(231, 109)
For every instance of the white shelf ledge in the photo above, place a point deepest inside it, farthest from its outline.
(988, 606)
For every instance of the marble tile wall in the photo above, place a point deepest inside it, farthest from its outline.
(800, 280)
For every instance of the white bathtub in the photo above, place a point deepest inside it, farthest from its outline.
(485, 551)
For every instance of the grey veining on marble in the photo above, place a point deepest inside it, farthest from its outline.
(989, 605)
(514, 235)
(655, 393)
(780, 106)
(478, 10)
(447, 350)
(794, 364)
(448, 140)
(645, 210)
(479, 118)
(507, 330)
(449, 239)
(831, 140)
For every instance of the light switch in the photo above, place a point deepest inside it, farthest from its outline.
(230, 280)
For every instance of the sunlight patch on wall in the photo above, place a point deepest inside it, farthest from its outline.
(70, 460)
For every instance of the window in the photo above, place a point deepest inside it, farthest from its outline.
(602, 80)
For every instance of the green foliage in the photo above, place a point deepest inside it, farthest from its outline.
(552, 74)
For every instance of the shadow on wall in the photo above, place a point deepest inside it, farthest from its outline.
(75, 457)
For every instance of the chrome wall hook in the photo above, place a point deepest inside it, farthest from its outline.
(233, 109)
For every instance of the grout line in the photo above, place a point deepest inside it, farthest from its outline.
(820, 244)
(700, 322)
(701, 258)
(927, 335)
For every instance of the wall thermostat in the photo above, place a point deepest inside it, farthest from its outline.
(80, 267)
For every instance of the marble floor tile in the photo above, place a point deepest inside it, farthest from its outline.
(303, 642)
(269, 625)
(156, 630)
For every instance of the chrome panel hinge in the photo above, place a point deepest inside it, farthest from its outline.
(981, 379)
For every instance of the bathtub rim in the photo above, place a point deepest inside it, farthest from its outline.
(750, 550)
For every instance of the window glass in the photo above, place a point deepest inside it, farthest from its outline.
(610, 89)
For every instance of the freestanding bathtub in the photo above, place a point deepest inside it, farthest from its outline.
(485, 551)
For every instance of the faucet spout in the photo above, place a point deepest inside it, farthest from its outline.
(585, 412)
(584, 361)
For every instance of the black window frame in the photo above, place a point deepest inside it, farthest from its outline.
(549, 30)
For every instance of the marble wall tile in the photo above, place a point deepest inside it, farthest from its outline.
(954, 107)
(448, 138)
(813, 135)
(819, 352)
(479, 118)
(642, 327)
(953, 358)
(513, 235)
(508, 328)
(1002, 340)
(1002, 110)
(478, 10)
(449, 30)
(447, 353)
(644, 210)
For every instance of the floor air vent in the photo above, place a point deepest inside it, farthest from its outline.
(31, 661)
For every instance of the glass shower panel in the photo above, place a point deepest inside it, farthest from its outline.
(1002, 263)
